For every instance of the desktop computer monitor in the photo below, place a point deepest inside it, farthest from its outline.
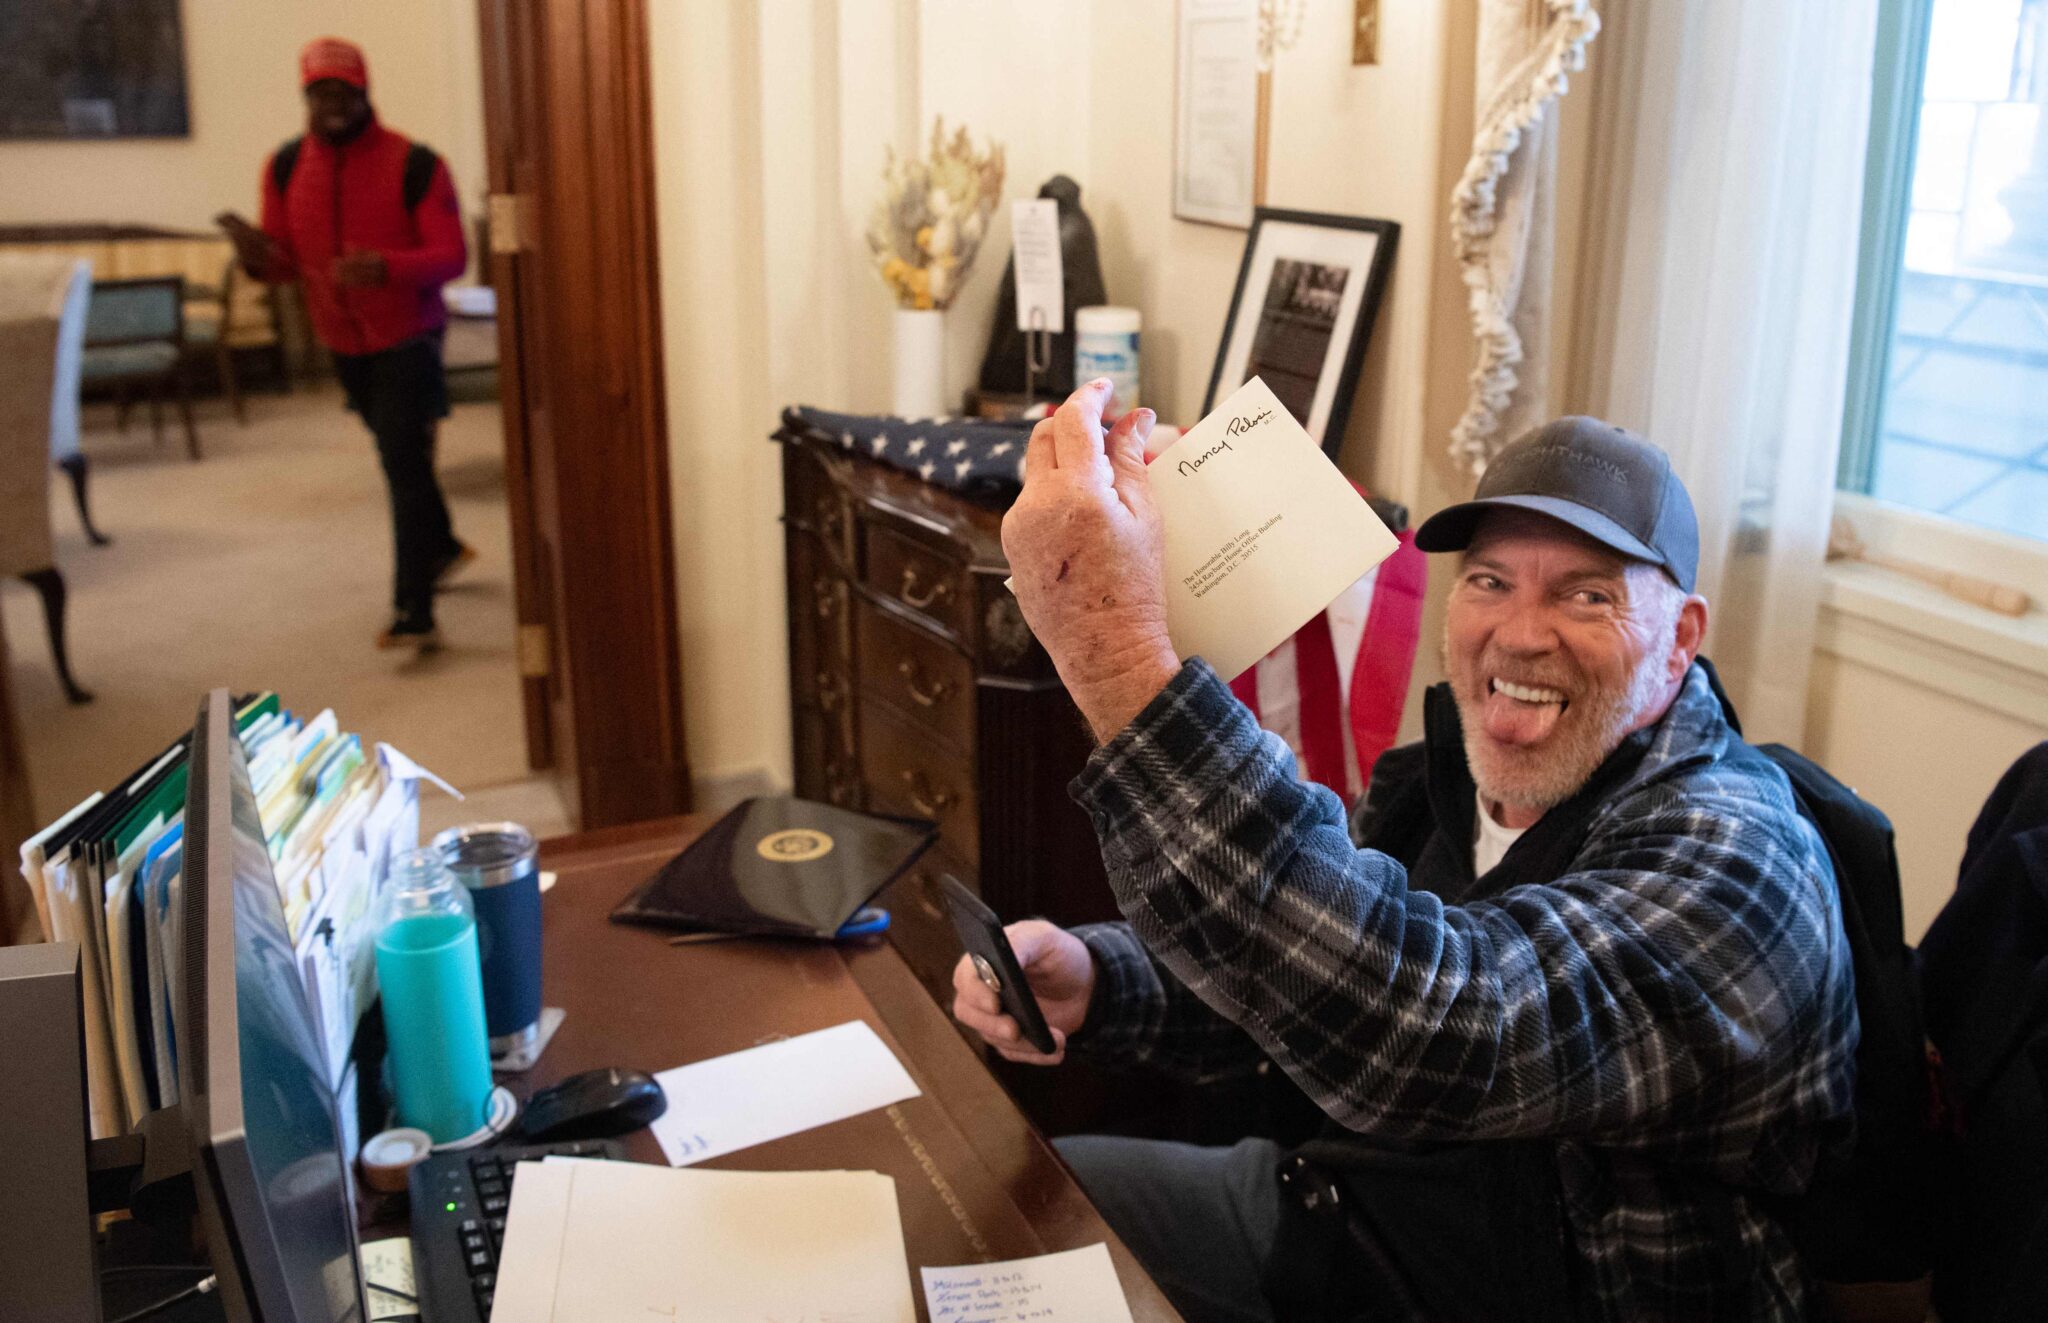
(274, 1198)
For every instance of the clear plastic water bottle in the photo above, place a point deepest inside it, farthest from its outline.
(432, 985)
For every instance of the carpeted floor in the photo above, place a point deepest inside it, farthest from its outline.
(268, 565)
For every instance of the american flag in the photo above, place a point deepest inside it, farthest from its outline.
(1335, 690)
(973, 456)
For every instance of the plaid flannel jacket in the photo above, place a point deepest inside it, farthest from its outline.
(1675, 1012)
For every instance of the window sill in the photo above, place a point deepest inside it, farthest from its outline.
(1911, 630)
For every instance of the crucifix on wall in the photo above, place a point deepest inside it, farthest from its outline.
(1279, 28)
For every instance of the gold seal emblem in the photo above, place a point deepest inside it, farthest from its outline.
(798, 845)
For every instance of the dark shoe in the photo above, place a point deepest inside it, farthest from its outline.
(420, 636)
(453, 564)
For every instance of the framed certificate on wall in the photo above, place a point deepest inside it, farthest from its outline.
(1215, 140)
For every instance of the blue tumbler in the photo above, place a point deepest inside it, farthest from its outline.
(497, 863)
(432, 988)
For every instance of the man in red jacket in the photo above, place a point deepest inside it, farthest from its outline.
(367, 221)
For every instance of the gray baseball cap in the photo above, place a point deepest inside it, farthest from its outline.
(1603, 480)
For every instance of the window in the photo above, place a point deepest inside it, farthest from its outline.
(1948, 400)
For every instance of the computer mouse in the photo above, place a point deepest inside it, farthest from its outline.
(594, 1105)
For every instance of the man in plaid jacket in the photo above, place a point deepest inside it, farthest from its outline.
(1579, 1022)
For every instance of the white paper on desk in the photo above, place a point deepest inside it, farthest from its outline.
(1077, 1286)
(1262, 531)
(595, 1242)
(746, 1098)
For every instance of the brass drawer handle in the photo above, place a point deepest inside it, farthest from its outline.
(831, 519)
(823, 589)
(830, 692)
(923, 798)
(922, 697)
(940, 590)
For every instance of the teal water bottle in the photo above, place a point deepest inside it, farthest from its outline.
(432, 984)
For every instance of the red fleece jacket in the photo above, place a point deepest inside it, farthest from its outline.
(346, 199)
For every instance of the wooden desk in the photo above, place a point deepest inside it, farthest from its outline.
(974, 1181)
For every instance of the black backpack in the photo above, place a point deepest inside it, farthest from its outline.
(420, 164)
(1868, 1215)
(1984, 973)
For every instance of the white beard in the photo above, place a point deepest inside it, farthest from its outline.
(1539, 779)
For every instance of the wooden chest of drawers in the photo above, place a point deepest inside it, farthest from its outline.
(916, 688)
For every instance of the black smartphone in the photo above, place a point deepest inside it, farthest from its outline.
(981, 932)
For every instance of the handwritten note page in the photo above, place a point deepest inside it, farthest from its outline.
(597, 1242)
(387, 1273)
(746, 1098)
(1262, 531)
(1078, 1286)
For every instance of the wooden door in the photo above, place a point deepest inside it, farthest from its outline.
(568, 136)
(18, 819)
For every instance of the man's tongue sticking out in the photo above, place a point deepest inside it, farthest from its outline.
(1520, 713)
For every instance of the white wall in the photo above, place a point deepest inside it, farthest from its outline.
(1923, 731)
(1351, 140)
(241, 71)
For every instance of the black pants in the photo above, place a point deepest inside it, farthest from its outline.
(402, 394)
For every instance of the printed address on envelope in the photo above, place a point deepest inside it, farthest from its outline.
(1262, 531)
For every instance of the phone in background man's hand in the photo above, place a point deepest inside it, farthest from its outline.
(252, 245)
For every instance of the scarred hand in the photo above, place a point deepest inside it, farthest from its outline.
(1086, 559)
(362, 269)
(1061, 972)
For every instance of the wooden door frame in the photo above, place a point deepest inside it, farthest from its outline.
(18, 820)
(593, 544)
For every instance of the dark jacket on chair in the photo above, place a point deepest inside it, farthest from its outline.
(1984, 975)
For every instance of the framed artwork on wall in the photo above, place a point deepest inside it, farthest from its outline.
(1215, 132)
(1307, 292)
(92, 69)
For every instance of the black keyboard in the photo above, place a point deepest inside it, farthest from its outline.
(459, 1202)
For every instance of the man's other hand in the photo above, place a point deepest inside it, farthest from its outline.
(1061, 973)
(1086, 558)
(362, 269)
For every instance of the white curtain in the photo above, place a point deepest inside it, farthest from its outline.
(1719, 267)
(1504, 213)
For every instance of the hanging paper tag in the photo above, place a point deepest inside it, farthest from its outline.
(1041, 285)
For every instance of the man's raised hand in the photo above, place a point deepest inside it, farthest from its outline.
(1086, 556)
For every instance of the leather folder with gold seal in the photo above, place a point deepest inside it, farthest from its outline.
(777, 866)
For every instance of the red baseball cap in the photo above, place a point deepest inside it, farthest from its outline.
(331, 57)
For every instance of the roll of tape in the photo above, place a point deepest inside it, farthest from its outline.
(504, 1109)
(388, 1157)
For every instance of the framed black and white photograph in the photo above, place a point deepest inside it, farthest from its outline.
(1307, 293)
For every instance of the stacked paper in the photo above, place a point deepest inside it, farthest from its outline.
(109, 876)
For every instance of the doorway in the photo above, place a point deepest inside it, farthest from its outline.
(560, 692)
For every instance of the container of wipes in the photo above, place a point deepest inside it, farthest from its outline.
(1106, 345)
